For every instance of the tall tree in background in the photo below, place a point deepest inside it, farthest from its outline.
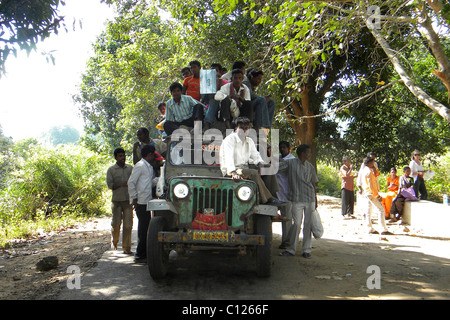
(309, 33)
(309, 38)
(322, 64)
(62, 135)
(6, 163)
(136, 59)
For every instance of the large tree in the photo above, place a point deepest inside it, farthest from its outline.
(319, 44)
(136, 59)
(309, 33)
(322, 67)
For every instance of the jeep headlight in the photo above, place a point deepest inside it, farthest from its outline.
(244, 193)
(181, 190)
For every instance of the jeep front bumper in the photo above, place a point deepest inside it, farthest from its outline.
(208, 237)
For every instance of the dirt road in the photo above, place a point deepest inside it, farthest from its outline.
(347, 263)
(409, 265)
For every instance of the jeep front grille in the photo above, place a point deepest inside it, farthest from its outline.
(218, 199)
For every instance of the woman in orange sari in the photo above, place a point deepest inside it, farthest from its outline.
(392, 186)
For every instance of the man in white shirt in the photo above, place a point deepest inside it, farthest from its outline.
(417, 172)
(140, 191)
(237, 152)
(235, 99)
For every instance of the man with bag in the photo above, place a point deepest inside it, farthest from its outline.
(303, 195)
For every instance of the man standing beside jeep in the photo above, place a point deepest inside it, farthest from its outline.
(116, 179)
(302, 193)
(140, 190)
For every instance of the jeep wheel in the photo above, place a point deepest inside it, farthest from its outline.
(264, 253)
(157, 257)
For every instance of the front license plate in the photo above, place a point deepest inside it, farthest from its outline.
(211, 236)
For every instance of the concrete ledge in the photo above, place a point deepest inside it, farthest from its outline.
(429, 217)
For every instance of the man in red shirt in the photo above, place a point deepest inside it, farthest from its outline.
(191, 85)
(347, 187)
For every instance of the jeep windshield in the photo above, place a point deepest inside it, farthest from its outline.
(197, 152)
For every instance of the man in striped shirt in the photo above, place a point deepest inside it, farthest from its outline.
(181, 110)
(302, 193)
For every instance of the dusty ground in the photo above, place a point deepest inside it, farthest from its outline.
(81, 245)
(412, 264)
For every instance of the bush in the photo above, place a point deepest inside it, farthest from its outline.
(329, 180)
(440, 183)
(64, 183)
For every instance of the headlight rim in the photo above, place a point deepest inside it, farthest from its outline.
(252, 192)
(180, 184)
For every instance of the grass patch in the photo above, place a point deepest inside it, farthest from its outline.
(54, 189)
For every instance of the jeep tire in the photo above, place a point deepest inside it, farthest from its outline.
(264, 252)
(157, 257)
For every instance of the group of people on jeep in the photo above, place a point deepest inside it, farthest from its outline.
(234, 96)
(236, 104)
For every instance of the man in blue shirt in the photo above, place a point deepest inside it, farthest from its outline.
(181, 110)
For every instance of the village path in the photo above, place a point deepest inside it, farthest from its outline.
(344, 265)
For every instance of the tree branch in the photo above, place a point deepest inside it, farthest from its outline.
(437, 50)
(345, 106)
(418, 92)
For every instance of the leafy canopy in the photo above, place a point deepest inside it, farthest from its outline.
(23, 23)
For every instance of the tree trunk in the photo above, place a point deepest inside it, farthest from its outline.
(305, 128)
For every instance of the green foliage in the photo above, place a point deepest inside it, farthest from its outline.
(61, 183)
(440, 183)
(392, 123)
(329, 181)
(23, 23)
(6, 165)
(136, 59)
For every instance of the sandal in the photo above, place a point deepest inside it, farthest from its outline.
(306, 255)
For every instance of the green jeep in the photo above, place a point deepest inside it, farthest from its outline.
(201, 208)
